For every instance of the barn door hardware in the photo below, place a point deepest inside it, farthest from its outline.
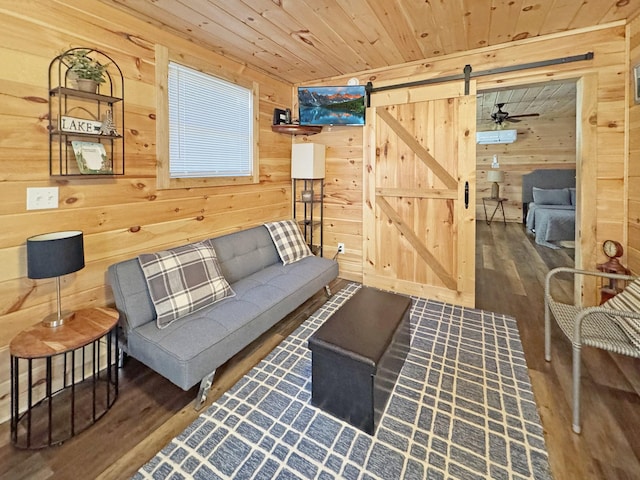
(466, 195)
(467, 78)
(468, 74)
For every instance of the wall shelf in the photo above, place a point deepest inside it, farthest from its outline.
(80, 94)
(76, 151)
(295, 129)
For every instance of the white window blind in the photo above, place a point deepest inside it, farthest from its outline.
(210, 125)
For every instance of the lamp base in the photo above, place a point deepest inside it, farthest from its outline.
(495, 190)
(55, 320)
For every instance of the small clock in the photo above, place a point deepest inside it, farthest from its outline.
(611, 287)
(612, 249)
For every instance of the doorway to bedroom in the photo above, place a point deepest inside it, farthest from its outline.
(539, 122)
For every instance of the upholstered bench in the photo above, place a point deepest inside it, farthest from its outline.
(357, 354)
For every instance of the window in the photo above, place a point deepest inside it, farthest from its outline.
(207, 127)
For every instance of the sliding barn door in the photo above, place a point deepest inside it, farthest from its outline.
(419, 193)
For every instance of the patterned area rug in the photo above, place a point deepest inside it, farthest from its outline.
(462, 408)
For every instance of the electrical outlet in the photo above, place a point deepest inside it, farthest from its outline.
(40, 198)
(341, 248)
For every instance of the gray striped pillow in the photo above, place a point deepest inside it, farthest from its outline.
(628, 299)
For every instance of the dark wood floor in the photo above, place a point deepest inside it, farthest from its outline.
(510, 279)
(510, 272)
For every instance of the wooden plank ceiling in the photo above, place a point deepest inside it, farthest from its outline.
(548, 100)
(299, 41)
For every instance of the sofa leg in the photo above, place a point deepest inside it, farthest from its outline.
(327, 291)
(205, 386)
(121, 357)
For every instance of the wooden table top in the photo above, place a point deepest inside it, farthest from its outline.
(86, 326)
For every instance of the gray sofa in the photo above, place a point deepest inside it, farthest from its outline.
(190, 349)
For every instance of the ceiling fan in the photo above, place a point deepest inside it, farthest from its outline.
(502, 116)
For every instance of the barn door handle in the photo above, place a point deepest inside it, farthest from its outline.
(466, 194)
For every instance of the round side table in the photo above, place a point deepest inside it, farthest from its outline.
(68, 374)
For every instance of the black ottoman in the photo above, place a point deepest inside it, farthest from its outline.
(357, 354)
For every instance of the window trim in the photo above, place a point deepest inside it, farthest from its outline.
(163, 178)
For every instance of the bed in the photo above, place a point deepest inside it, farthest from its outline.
(549, 205)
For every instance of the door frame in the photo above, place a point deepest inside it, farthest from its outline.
(586, 167)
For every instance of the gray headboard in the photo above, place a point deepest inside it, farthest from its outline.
(552, 178)
(546, 179)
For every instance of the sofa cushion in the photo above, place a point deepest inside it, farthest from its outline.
(245, 252)
(288, 240)
(239, 254)
(183, 280)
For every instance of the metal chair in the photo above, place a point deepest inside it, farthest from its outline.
(597, 327)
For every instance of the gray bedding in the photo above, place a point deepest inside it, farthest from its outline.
(551, 223)
(545, 178)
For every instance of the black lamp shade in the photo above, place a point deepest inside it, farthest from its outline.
(55, 254)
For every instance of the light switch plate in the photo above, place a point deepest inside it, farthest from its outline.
(41, 198)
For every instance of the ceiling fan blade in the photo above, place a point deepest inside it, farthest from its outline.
(514, 120)
(525, 115)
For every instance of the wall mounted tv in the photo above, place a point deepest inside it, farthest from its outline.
(332, 105)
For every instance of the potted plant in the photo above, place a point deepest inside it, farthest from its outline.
(88, 72)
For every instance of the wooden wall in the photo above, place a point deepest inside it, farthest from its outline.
(601, 156)
(633, 169)
(343, 196)
(543, 142)
(120, 217)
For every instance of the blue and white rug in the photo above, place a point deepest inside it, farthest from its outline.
(462, 408)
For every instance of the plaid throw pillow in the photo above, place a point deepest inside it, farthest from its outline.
(183, 279)
(628, 299)
(288, 240)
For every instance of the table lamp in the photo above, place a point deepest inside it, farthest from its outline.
(495, 176)
(53, 255)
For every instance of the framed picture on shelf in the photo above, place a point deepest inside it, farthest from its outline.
(92, 158)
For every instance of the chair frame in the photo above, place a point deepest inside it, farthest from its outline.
(572, 321)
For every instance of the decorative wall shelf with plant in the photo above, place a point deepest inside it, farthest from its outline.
(86, 114)
(87, 72)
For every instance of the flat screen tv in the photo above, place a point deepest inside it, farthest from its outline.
(332, 105)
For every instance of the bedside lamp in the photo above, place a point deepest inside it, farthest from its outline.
(53, 255)
(495, 176)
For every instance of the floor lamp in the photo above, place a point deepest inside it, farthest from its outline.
(308, 163)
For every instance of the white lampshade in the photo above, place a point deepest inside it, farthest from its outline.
(307, 160)
(495, 176)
